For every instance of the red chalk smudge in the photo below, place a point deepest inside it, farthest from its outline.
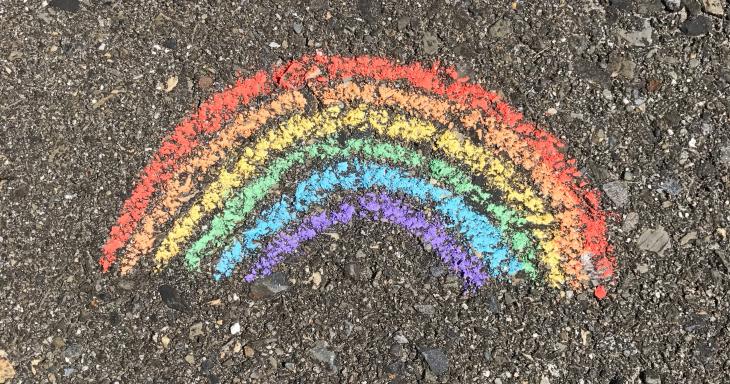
(600, 292)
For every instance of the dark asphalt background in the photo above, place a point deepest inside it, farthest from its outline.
(638, 90)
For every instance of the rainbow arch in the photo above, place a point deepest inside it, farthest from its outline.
(441, 136)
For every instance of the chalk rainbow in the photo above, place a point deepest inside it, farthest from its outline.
(412, 146)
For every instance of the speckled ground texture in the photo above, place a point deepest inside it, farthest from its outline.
(640, 90)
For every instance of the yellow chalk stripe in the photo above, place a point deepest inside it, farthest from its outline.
(298, 128)
(551, 257)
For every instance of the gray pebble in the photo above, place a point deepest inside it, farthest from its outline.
(630, 222)
(437, 360)
(196, 330)
(638, 38)
(425, 309)
(689, 236)
(671, 186)
(673, 5)
(358, 272)
(347, 327)
(696, 26)
(273, 363)
(725, 155)
(65, 5)
(502, 28)
(621, 5)
(437, 271)
(126, 285)
(172, 298)
(651, 377)
(297, 27)
(654, 240)
(430, 43)
(403, 23)
(493, 304)
(396, 350)
(58, 342)
(617, 191)
(624, 67)
(269, 286)
(72, 352)
(694, 7)
(488, 355)
(321, 353)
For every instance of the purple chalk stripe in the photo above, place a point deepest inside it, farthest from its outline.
(376, 207)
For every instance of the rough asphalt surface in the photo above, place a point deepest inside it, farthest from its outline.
(640, 91)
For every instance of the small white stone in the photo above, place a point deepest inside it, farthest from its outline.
(274, 44)
(316, 279)
(235, 329)
(400, 339)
